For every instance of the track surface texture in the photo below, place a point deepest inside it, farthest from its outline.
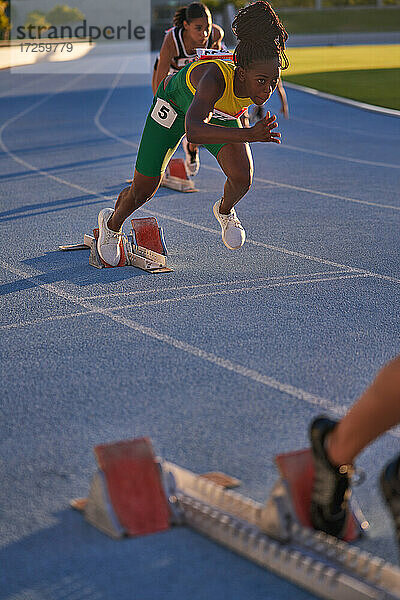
(223, 363)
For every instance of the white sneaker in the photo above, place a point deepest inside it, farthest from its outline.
(108, 244)
(192, 162)
(233, 234)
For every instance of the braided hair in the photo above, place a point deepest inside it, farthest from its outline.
(260, 35)
(195, 10)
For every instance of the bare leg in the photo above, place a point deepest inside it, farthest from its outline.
(376, 411)
(153, 82)
(131, 198)
(237, 164)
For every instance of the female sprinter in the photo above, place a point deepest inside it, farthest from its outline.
(205, 99)
(193, 28)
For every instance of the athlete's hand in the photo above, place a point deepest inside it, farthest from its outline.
(262, 131)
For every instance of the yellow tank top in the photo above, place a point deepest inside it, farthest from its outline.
(229, 106)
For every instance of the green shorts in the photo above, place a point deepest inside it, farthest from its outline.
(162, 133)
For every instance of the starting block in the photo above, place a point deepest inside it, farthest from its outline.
(127, 494)
(176, 177)
(136, 493)
(144, 247)
(290, 499)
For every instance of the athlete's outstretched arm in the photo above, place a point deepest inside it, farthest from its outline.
(167, 53)
(210, 85)
(283, 98)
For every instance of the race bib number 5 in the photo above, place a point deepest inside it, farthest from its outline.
(163, 113)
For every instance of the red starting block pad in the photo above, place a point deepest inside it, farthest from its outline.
(131, 494)
(176, 177)
(144, 247)
(134, 493)
(126, 497)
(148, 234)
(297, 472)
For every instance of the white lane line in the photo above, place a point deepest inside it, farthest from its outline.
(315, 192)
(362, 132)
(235, 291)
(203, 285)
(173, 219)
(114, 84)
(24, 113)
(190, 224)
(339, 157)
(261, 180)
(310, 257)
(195, 351)
(195, 225)
(45, 320)
(252, 374)
(391, 112)
(110, 309)
(214, 359)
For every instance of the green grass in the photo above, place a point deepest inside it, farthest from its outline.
(318, 59)
(380, 87)
(366, 73)
(340, 20)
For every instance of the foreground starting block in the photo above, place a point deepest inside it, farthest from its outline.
(176, 177)
(144, 247)
(290, 499)
(128, 492)
(135, 493)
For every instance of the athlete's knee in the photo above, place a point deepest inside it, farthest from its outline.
(241, 179)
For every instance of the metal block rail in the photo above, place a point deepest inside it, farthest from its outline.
(144, 247)
(325, 566)
(134, 256)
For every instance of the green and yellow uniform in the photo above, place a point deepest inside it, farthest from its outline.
(165, 123)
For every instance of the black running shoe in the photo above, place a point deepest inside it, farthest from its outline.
(331, 489)
(390, 486)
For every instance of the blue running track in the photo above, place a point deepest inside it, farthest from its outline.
(223, 362)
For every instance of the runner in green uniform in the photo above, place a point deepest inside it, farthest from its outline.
(205, 100)
(193, 28)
